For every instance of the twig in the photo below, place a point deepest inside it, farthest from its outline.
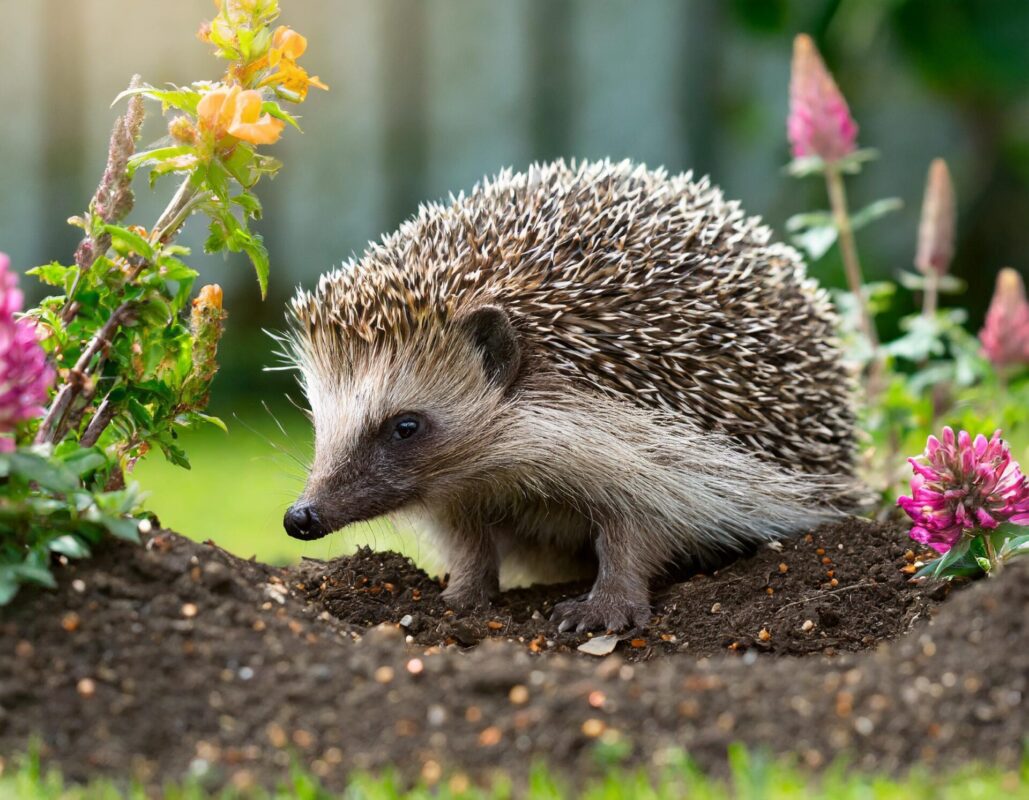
(99, 423)
(823, 594)
(52, 429)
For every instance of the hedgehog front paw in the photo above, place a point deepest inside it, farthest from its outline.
(590, 613)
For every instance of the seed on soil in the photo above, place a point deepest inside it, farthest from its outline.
(769, 591)
(86, 687)
(593, 727)
(764, 635)
(717, 607)
(494, 625)
(384, 674)
(189, 610)
(431, 772)
(276, 735)
(473, 714)
(259, 625)
(784, 567)
(638, 643)
(518, 695)
(909, 556)
(826, 560)
(820, 551)
(596, 699)
(490, 737)
(70, 622)
(78, 585)
(834, 582)
(415, 666)
(24, 649)
(807, 626)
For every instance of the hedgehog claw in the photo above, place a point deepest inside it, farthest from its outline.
(592, 613)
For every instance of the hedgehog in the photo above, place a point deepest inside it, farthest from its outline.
(585, 368)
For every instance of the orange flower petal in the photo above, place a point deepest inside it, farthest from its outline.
(288, 42)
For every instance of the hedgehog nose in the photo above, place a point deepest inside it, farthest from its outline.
(301, 522)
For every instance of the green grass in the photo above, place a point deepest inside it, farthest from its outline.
(752, 778)
(241, 483)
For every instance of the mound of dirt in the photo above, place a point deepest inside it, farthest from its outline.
(178, 657)
(844, 587)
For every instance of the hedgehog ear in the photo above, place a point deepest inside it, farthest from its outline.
(493, 334)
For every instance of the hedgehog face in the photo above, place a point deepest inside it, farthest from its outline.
(405, 422)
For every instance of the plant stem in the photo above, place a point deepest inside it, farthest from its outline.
(175, 214)
(991, 554)
(848, 250)
(930, 295)
(53, 427)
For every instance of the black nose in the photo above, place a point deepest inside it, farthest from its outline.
(301, 522)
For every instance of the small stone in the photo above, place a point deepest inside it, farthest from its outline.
(406, 620)
(519, 695)
(415, 666)
(490, 736)
(593, 727)
(70, 622)
(716, 608)
(596, 699)
(86, 687)
(189, 610)
(78, 585)
(784, 568)
(384, 675)
(764, 634)
(808, 626)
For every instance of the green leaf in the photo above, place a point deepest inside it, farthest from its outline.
(82, 461)
(36, 469)
(816, 241)
(874, 211)
(127, 529)
(212, 420)
(259, 258)
(183, 98)
(273, 108)
(126, 241)
(159, 155)
(54, 274)
(70, 546)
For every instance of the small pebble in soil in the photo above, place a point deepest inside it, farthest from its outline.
(518, 695)
(593, 727)
(716, 608)
(70, 622)
(384, 675)
(784, 568)
(807, 626)
(415, 666)
(764, 634)
(189, 610)
(86, 687)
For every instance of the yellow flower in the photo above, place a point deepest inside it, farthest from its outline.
(235, 112)
(209, 297)
(287, 47)
(286, 42)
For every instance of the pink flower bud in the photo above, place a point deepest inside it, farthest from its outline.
(963, 485)
(819, 123)
(25, 375)
(1005, 336)
(936, 228)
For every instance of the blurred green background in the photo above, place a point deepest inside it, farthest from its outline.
(430, 95)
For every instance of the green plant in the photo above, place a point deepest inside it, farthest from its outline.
(133, 369)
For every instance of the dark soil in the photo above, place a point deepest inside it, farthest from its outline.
(178, 658)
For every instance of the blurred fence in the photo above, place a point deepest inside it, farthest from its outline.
(429, 95)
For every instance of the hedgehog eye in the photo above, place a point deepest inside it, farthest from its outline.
(405, 427)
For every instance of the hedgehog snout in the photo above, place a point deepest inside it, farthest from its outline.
(301, 522)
